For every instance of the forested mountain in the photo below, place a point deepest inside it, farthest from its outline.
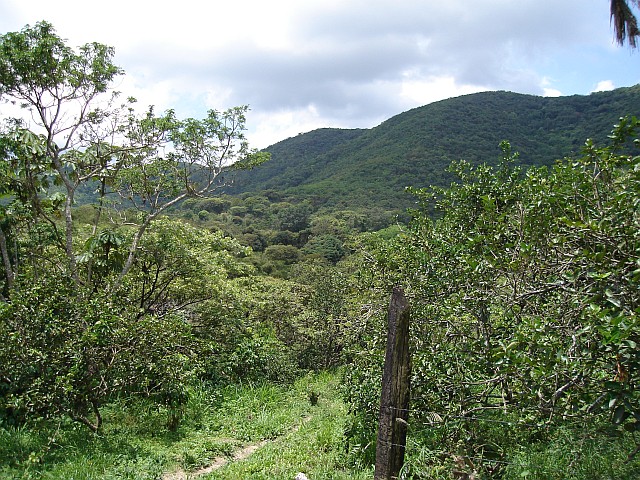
(372, 167)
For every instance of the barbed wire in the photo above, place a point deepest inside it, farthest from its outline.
(446, 416)
(468, 457)
(443, 419)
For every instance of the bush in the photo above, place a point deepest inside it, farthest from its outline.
(69, 351)
(327, 246)
(524, 299)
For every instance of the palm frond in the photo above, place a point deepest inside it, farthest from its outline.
(625, 24)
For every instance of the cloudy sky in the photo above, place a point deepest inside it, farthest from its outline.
(306, 64)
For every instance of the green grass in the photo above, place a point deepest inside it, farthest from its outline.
(295, 435)
(589, 450)
(313, 447)
(601, 453)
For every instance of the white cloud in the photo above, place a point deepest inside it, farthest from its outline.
(356, 62)
(604, 86)
(420, 91)
(161, 94)
(283, 124)
(551, 92)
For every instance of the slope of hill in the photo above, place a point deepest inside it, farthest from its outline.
(372, 167)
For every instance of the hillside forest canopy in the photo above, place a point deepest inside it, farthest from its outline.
(131, 276)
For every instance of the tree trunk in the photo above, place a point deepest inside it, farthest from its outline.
(8, 268)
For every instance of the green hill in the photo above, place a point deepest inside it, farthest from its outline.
(371, 167)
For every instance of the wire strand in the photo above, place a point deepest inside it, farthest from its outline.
(451, 454)
(445, 417)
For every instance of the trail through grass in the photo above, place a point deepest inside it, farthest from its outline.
(251, 432)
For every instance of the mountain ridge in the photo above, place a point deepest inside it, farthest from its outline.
(365, 167)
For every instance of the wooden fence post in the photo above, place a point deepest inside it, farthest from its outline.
(394, 401)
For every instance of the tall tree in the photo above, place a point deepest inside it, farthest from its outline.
(79, 136)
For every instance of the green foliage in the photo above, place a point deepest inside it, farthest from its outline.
(314, 448)
(251, 327)
(269, 328)
(370, 169)
(325, 224)
(212, 205)
(576, 453)
(326, 246)
(89, 144)
(324, 325)
(282, 253)
(523, 282)
(101, 308)
(524, 297)
(293, 436)
(37, 57)
(293, 218)
(100, 301)
(68, 352)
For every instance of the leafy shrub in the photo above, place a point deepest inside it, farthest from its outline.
(68, 352)
(326, 246)
(282, 253)
(524, 295)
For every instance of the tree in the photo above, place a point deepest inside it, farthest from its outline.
(525, 299)
(625, 24)
(326, 246)
(288, 254)
(150, 162)
(59, 87)
(293, 217)
(96, 311)
(325, 320)
(23, 187)
(69, 351)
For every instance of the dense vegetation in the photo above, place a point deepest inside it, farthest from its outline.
(525, 317)
(292, 435)
(371, 168)
(142, 310)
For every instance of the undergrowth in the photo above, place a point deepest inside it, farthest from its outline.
(135, 443)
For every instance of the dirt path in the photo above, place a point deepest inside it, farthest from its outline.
(216, 463)
(219, 462)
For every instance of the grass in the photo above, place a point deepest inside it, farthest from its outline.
(294, 435)
(313, 447)
(586, 450)
(579, 453)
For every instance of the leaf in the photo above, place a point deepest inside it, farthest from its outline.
(629, 344)
(612, 299)
(620, 415)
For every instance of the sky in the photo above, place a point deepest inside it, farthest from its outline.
(306, 64)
